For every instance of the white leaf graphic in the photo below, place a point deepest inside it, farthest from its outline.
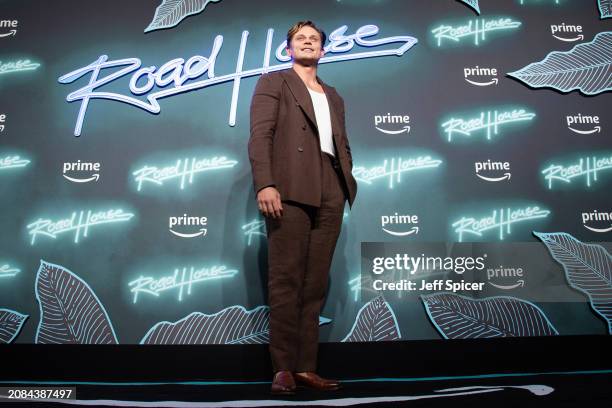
(11, 323)
(461, 317)
(70, 312)
(473, 4)
(172, 12)
(605, 8)
(588, 268)
(232, 325)
(375, 322)
(586, 67)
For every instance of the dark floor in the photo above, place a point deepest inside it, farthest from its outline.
(559, 389)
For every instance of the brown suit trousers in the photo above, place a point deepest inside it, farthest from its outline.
(301, 245)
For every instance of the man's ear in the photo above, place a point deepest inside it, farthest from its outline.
(288, 51)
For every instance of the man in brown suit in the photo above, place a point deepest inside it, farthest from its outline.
(301, 163)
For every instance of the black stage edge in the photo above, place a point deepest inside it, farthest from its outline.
(424, 358)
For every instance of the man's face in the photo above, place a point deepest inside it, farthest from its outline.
(306, 46)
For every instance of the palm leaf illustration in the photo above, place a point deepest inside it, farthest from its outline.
(232, 325)
(11, 323)
(588, 269)
(587, 67)
(375, 322)
(461, 317)
(473, 4)
(70, 312)
(172, 12)
(605, 8)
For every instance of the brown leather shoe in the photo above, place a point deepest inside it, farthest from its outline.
(283, 383)
(312, 380)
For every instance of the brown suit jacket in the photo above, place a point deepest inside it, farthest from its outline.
(284, 147)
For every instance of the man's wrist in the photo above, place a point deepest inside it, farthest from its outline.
(266, 186)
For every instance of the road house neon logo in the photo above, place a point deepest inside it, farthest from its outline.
(476, 28)
(399, 123)
(573, 120)
(390, 223)
(184, 170)
(8, 28)
(501, 220)
(355, 286)
(11, 162)
(489, 74)
(7, 271)
(181, 279)
(17, 66)
(78, 167)
(182, 74)
(255, 227)
(184, 221)
(2, 121)
(79, 222)
(586, 167)
(569, 29)
(393, 169)
(489, 166)
(488, 122)
(597, 217)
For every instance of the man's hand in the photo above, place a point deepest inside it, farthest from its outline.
(269, 202)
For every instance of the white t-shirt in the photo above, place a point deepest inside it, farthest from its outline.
(322, 115)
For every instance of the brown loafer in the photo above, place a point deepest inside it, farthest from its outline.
(283, 383)
(312, 380)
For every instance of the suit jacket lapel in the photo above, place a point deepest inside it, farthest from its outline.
(300, 94)
(303, 99)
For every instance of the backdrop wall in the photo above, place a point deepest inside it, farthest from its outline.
(128, 213)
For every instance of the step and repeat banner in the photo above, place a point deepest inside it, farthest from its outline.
(481, 140)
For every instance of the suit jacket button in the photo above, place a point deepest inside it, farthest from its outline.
(303, 127)
(300, 149)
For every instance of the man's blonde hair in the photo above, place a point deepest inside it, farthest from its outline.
(307, 23)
